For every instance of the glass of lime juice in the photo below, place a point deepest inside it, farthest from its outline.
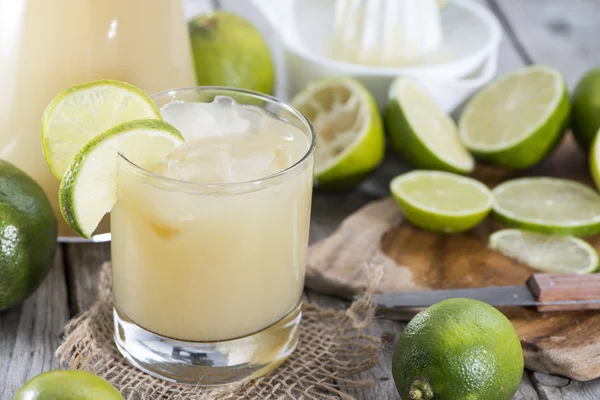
(209, 244)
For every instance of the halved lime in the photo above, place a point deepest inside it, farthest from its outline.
(441, 201)
(548, 205)
(517, 119)
(595, 161)
(81, 112)
(89, 187)
(350, 139)
(423, 133)
(549, 253)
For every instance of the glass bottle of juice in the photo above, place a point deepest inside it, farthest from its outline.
(46, 46)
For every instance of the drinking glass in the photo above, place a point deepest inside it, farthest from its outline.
(208, 278)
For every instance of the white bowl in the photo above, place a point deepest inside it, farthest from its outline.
(467, 61)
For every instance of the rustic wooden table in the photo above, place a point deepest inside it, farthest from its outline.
(556, 32)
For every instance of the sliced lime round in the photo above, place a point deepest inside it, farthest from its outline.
(89, 187)
(78, 114)
(548, 253)
(548, 205)
(422, 132)
(441, 201)
(517, 119)
(350, 139)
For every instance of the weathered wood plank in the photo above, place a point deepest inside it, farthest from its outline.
(557, 32)
(83, 262)
(30, 333)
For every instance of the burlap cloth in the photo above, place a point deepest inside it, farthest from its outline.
(332, 349)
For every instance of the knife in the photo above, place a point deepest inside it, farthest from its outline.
(546, 292)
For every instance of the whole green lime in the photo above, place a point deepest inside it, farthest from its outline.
(229, 51)
(28, 231)
(458, 349)
(585, 115)
(67, 385)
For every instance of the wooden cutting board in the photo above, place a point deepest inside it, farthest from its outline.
(566, 343)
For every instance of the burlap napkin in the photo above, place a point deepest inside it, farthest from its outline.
(332, 349)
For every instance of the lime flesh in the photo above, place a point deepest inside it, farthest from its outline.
(422, 132)
(350, 139)
(78, 114)
(441, 201)
(547, 253)
(516, 120)
(89, 188)
(548, 205)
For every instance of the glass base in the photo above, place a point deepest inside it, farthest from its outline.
(99, 238)
(208, 363)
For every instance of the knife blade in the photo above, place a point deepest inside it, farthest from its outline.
(546, 292)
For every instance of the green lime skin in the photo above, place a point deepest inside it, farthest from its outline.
(229, 51)
(458, 349)
(585, 115)
(28, 233)
(409, 146)
(67, 385)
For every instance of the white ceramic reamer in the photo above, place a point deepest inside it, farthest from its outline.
(466, 61)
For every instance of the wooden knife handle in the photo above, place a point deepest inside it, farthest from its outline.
(551, 288)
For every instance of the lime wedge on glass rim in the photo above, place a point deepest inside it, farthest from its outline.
(350, 139)
(78, 114)
(548, 205)
(441, 201)
(423, 133)
(548, 253)
(89, 186)
(517, 119)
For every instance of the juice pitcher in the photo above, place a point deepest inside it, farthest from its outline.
(47, 46)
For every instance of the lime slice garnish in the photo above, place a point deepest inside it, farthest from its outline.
(350, 139)
(517, 119)
(89, 187)
(441, 201)
(548, 253)
(422, 132)
(78, 114)
(548, 205)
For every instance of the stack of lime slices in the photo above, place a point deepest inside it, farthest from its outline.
(83, 130)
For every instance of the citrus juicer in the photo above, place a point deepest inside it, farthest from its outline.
(451, 70)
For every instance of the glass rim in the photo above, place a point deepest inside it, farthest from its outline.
(253, 183)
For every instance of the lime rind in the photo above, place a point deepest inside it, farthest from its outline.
(595, 160)
(62, 121)
(535, 250)
(413, 144)
(88, 192)
(581, 227)
(534, 143)
(436, 219)
(363, 149)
